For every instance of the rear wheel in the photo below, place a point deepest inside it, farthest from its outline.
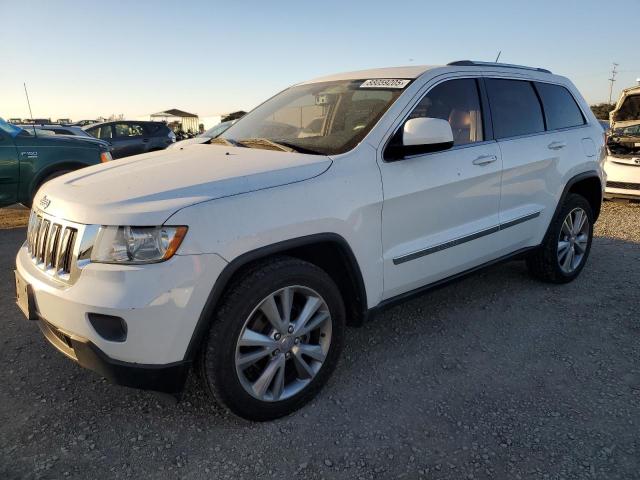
(275, 339)
(566, 247)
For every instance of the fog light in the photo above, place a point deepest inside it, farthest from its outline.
(109, 327)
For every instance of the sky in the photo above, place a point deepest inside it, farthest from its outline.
(84, 59)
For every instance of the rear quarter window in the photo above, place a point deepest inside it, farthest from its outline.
(515, 108)
(560, 108)
(153, 128)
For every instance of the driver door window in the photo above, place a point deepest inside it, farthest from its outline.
(458, 102)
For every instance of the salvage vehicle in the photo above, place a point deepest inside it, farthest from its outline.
(623, 148)
(246, 257)
(133, 137)
(30, 156)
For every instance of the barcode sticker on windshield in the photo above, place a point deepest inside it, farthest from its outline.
(385, 83)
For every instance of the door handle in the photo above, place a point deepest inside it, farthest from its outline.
(145, 140)
(556, 145)
(485, 160)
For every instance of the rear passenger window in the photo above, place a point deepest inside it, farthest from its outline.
(515, 108)
(560, 108)
(458, 102)
(129, 130)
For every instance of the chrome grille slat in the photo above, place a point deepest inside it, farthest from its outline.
(62, 248)
(51, 244)
(42, 240)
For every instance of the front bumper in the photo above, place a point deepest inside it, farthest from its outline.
(162, 378)
(160, 303)
(623, 178)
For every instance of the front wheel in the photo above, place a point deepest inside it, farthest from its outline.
(275, 339)
(565, 248)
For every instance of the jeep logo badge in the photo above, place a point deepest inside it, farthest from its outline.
(44, 202)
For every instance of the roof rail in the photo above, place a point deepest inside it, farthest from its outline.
(473, 63)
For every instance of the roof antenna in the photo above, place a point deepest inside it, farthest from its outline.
(498, 57)
(30, 113)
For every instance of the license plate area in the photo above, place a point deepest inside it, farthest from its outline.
(24, 297)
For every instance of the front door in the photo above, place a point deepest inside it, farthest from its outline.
(441, 209)
(9, 170)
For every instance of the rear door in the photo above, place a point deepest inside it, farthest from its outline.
(442, 208)
(534, 152)
(528, 165)
(130, 139)
(9, 170)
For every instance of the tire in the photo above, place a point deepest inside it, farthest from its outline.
(51, 176)
(278, 382)
(560, 259)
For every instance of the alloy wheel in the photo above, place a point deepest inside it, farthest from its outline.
(283, 343)
(573, 240)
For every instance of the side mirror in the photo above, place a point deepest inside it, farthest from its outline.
(421, 135)
(427, 131)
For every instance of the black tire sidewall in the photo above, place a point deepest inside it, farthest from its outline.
(218, 361)
(573, 201)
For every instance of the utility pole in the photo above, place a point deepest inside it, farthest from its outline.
(612, 79)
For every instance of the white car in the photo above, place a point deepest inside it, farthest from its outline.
(246, 257)
(623, 146)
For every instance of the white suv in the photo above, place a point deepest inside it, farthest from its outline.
(246, 256)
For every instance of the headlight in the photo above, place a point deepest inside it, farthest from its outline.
(136, 245)
(105, 157)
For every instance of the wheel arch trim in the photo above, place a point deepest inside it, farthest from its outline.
(244, 259)
(37, 180)
(567, 188)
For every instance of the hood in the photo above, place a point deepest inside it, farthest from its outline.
(95, 141)
(53, 140)
(147, 189)
(627, 110)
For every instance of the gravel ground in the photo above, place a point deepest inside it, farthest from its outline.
(496, 376)
(13, 217)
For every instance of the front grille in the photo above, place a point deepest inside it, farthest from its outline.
(624, 185)
(51, 245)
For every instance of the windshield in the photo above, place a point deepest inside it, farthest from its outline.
(213, 132)
(9, 128)
(323, 118)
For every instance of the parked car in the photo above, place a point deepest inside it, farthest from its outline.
(623, 147)
(334, 199)
(132, 137)
(204, 137)
(84, 123)
(28, 159)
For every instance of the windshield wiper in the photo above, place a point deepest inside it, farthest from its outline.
(300, 149)
(225, 141)
(279, 145)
